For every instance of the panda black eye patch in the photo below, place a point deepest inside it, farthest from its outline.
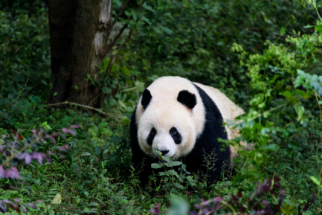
(176, 136)
(151, 136)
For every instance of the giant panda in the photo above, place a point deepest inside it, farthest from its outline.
(183, 120)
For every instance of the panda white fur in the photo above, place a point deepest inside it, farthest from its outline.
(183, 120)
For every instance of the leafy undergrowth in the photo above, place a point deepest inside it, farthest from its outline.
(95, 174)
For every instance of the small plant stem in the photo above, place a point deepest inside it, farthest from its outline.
(95, 98)
(317, 100)
(288, 124)
(318, 13)
(13, 145)
(228, 205)
(259, 115)
(316, 9)
(6, 163)
(123, 28)
(231, 208)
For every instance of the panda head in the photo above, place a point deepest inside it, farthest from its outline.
(167, 124)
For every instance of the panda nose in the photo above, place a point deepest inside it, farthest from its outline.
(164, 152)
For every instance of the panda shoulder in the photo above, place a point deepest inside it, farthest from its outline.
(228, 109)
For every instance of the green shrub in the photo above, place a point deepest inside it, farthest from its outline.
(284, 120)
(24, 49)
(193, 39)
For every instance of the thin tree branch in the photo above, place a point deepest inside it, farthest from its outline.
(85, 106)
(116, 38)
(127, 40)
(123, 28)
(110, 65)
(96, 97)
(118, 16)
(139, 7)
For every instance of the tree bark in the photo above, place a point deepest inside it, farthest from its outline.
(79, 43)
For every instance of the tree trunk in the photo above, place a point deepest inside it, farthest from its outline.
(78, 39)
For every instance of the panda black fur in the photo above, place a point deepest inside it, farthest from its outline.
(183, 120)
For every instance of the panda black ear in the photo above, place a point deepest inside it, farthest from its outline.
(186, 98)
(146, 98)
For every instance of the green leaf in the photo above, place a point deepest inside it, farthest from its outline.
(46, 126)
(289, 202)
(272, 147)
(93, 204)
(300, 72)
(156, 166)
(116, 139)
(147, 7)
(174, 173)
(299, 110)
(316, 181)
(166, 159)
(105, 64)
(106, 90)
(161, 173)
(320, 78)
(140, 86)
(125, 70)
(122, 104)
(98, 150)
(282, 31)
(165, 29)
(90, 211)
(318, 28)
(262, 105)
(174, 163)
(57, 199)
(178, 206)
(134, 15)
(266, 114)
(102, 125)
(146, 20)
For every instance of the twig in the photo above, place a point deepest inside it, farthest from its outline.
(85, 106)
(116, 38)
(139, 7)
(123, 28)
(127, 40)
(259, 115)
(118, 16)
(317, 100)
(6, 163)
(95, 98)
(110, 65)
